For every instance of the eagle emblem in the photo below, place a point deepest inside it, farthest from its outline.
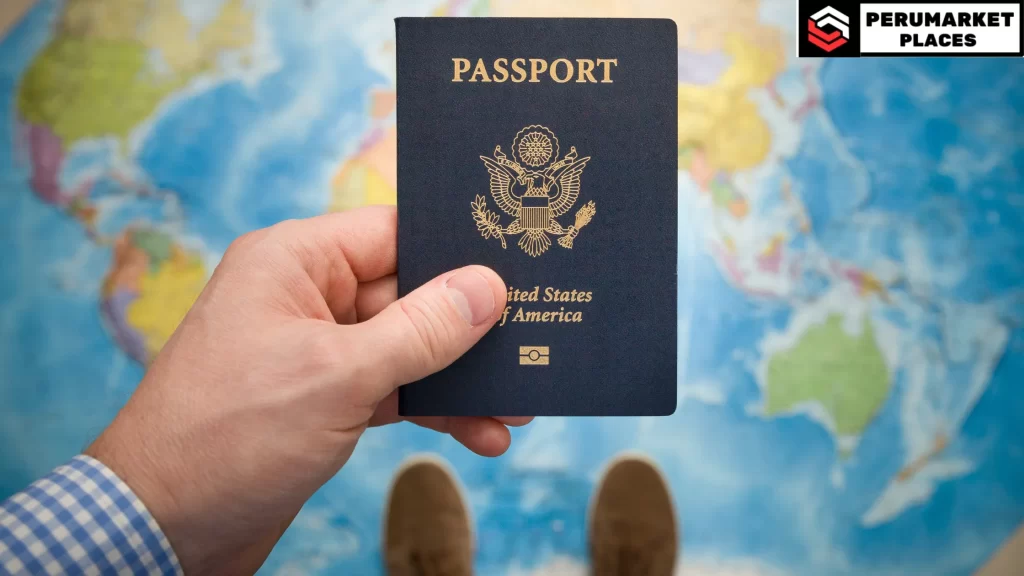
(534, 187)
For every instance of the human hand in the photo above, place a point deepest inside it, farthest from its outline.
(295, 347)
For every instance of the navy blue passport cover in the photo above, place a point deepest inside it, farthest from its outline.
(567, 183)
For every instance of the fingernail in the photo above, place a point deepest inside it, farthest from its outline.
(472, 296)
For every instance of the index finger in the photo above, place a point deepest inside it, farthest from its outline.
(342, 250)
(367, 237)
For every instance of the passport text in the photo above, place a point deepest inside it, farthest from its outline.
(561, 70)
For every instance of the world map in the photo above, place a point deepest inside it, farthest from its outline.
(851, 286)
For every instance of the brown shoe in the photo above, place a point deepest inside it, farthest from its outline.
(632, 528)
(426, 528)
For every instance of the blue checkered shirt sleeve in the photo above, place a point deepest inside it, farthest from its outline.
(81, 519)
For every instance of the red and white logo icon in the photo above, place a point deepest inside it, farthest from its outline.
(824, 40)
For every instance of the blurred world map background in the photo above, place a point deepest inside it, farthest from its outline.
(851, 272)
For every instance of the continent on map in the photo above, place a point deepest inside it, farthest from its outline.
(721, 131)
(106, 70)
(842, 375)
(170, 33)
(151, 284)
(370, 175)
(87, 87)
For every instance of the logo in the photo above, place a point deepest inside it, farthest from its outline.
(830, 29)
(828, 41)
(534, 355)
(854, 29)
(534, 187)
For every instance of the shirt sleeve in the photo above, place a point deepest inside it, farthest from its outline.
(82, 519)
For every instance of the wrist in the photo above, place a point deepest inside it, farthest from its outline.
(142, 471)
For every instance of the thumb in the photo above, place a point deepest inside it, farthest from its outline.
(432, 326)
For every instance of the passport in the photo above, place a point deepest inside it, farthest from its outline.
(545, 149)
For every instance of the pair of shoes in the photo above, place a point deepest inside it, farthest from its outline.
(632, 524)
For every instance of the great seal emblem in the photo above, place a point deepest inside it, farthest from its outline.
(535, 188)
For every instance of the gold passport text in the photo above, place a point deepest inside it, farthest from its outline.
(561, 70)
